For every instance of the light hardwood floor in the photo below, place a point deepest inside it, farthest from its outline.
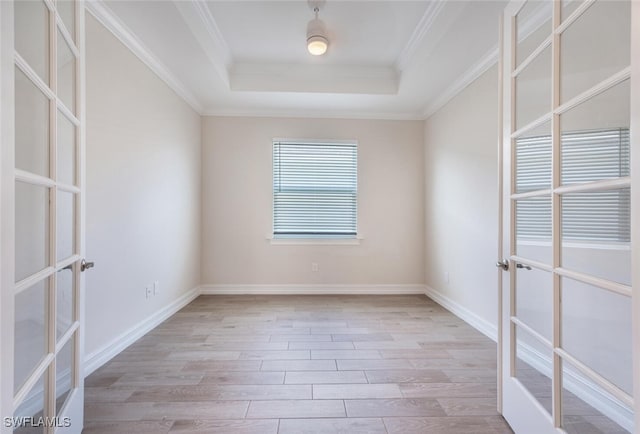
(301, 364)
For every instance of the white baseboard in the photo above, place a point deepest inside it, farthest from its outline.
(605, 403)
(596, 397)
(315, 289)
(102, 355)
(576, 384)
(474, 320)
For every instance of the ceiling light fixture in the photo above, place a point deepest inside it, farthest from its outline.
(317, 41)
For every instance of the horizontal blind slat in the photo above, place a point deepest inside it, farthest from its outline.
(314, 189)
(586, 156)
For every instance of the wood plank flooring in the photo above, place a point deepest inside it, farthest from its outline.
(301, 364)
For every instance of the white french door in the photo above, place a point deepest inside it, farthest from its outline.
(570, 305)
(42, 127)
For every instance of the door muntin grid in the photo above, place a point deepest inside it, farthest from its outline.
(545, 247)
(50, 71)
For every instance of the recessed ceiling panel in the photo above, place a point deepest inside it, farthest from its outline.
(360, 32)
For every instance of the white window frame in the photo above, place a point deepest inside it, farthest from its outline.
(315, 240)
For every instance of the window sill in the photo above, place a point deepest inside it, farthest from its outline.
(314, 241)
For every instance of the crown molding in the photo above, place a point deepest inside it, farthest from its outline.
(464, 80)
(197, 15)
(309, 114)
(108, 19)
(206, 31)
(533, 22)
(424, 25)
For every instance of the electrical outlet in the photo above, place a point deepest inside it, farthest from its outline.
(148, 291)
(156, 287)
(314, 267)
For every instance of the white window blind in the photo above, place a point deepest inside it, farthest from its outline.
(315, 189)
(586, 156)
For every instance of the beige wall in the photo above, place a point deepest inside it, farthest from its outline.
(143, 189)
(461, 233)
(237, 204)
(461, 178)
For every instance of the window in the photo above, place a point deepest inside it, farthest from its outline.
(586, 156)
(315, 188)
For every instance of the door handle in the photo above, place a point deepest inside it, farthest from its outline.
(504, 265)
(84, 265)
(526, 267)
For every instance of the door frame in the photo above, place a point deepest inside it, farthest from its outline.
(507, 212)
(635, 201)
(534, 421)
(7, 210)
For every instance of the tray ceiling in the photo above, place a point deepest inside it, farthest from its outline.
(386, 59)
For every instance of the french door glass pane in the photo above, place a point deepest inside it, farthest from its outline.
(588, 408)
(66, 74)
(568, 6)
(65, 221)
(30, 331)
(533, 26)
(596, 139)
(64, 301)
(587, 57)
(534, 299)
(66, 9)
(533, 159)
(533, 89)
(32, 35)
(31, 229)
(596, 229)
(66, 150)
(596, 329)
(533, 228)
(31, 126)
(533, 367)
(32, 407)
(64, 374)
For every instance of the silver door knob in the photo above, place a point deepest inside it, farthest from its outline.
(504, 265)
(84, 265)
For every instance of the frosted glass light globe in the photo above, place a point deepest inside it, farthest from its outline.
(317, 41)
(317, 45)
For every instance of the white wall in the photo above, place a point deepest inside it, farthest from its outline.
(143, 189)
(237, 204)
(461, 178)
